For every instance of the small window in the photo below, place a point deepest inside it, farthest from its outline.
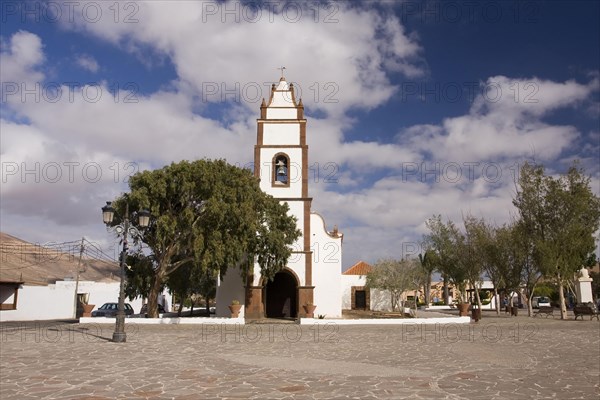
(281, 170)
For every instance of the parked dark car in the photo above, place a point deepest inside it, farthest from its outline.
(144, 309)
(110, 310)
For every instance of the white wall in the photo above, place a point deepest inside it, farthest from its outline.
(42, 303)
(283, 133)
(56, 301)
(347, 282)
(106, 292)
(282, 113)
(326, 269)
(297, 263)
(379, 300)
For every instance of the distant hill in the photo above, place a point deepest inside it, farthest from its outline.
(40, 265)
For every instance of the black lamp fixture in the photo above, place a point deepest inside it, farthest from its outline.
(124, 228)
(108, 214)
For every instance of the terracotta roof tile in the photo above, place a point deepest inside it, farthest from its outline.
(360, 268)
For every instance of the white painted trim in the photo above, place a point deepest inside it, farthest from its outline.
(166, 321)
(386, 321)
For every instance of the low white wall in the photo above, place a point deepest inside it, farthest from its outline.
(166, 321)
(387, 321)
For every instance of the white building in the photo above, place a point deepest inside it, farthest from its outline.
(355, 294)
(57, 300)
(40, 283)
(313, 273)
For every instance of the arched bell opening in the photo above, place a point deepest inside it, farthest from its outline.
(281, 170)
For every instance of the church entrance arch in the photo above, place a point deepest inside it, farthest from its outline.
(281, 296)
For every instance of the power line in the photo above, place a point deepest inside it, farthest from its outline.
(54, 251)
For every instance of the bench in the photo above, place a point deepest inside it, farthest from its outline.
(546, 311)
(585, 309)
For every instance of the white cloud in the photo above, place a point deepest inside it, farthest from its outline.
(87, 62)
(340, 57)
(505, 124)
(19, 57)
(528, 97)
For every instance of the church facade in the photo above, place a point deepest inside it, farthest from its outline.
(313, 272)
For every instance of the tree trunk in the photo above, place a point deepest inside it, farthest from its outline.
(207, 306)
(496, 300)
(446, 292)
(416, 302)
(192, 307)
(529, 305)
(180, 307)
(478, 298)
(561, 296)
(428, 290)
(153, 296)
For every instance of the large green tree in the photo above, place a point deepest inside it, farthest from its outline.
(212, 214)
(560, 215)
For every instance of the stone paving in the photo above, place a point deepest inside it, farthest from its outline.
(498, 358)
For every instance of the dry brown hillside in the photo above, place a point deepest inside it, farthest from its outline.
(40, 265)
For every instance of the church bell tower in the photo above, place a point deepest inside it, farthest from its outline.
(281, 164)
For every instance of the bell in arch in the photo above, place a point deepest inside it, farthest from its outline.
(281, 172)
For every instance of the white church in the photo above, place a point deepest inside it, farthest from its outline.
(314, 270)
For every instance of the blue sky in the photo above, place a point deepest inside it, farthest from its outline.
(415, 108)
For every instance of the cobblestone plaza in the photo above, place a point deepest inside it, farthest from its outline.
(497, 358)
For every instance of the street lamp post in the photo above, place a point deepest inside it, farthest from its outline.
(124, 228)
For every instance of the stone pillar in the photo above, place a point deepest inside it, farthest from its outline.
(305, 296)
(583, 287)
(254, 303)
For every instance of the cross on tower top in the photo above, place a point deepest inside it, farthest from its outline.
(281, 69)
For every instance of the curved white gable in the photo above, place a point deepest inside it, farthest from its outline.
(327, 268)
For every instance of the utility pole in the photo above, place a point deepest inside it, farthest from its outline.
(77, 279)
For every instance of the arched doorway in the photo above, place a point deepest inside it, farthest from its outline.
(281, 296)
